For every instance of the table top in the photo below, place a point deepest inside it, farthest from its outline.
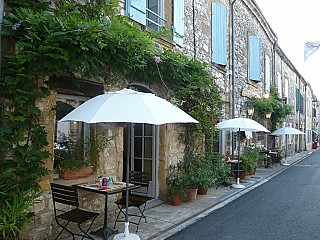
(232, 161)
(116, 187)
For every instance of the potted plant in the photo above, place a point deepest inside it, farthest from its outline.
(175, 184)
(250, 158)
(73, 157)
(206, 172)
(191, 170)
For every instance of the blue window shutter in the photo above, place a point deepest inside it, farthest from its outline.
(178, 21)
(297, 99)
(136, 10)
(254, 56)
(219, 33)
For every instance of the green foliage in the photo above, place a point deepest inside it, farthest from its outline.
(87, 39)
(211, 170)
(273, 104)
(15, 211)
(250, 158)
(71, 155)
(175, 181)
(197, 171)
(202, 171)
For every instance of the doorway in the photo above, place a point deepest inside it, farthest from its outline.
(143, 148)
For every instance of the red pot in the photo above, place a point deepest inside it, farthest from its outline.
(176, 200)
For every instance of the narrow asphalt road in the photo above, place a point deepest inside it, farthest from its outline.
(286, 207)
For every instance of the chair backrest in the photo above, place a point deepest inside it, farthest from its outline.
(64, 194)
(140, 178)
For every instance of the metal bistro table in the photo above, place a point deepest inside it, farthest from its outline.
(116, 187)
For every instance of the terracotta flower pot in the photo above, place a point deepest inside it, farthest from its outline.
(77, 173)
(192, 194)
(176, 200)
(243, 175)
(202, 191)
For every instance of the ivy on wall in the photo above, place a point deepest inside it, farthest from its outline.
(64, 38)
(273, 105)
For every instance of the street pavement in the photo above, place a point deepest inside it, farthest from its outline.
(163, 219)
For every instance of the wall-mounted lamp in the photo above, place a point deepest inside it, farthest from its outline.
(250, 110)
(266, 95)
(268, 115)
(247, 105)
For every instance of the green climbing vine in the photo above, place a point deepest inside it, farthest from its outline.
(45, 39)
(273, 105)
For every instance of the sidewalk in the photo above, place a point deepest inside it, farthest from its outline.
(165, 219)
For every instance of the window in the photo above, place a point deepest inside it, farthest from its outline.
(219, 33)
(68, 131)
(254, 58)
(267, 73)
(279, 84)
(155, 12)
(286, 88)
(149, 13)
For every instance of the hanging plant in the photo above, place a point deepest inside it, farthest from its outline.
(273, 105)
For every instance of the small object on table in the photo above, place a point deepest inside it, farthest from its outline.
(104, 182)
(110, 181)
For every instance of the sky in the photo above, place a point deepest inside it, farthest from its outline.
(296, 22)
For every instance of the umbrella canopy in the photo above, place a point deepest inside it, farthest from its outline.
(128, 106)
(286, 131)
(241, 124)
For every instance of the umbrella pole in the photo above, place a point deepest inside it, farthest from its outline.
(126, 234)
(285, 159)
(238, 185)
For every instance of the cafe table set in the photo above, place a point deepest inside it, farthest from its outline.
(105, 188)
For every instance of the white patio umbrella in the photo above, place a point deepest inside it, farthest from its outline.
(237, 125)
(128, 106)
(286, 131)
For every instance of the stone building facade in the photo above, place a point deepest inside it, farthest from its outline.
(243, 20)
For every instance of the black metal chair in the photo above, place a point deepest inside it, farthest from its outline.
(276, 157)
(67, 195)
(137, 198)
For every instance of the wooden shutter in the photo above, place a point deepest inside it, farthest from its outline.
(219, 33)
(178, 21)
(136, 10)
(254, 55)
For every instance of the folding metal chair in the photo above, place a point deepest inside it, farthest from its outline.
(64, 197)
(137, 198)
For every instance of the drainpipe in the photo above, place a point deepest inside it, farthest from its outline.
(305, 117)
(233, 70)
(274, 72)
(232, 59)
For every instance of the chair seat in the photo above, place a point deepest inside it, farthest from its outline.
(78, 215)
(134, 201)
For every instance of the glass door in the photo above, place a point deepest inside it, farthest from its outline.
(143, 151)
